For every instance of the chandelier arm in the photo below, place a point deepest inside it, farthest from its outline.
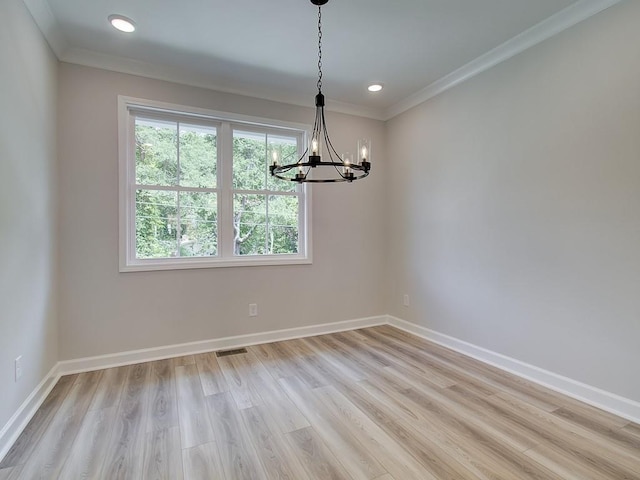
(307, 164)
(285, 168)
(301, 158)
(334, 163)
(330, 148)
(326, 134)
(317, 127)
(318, 122)
(314, 132)
(281, 170)
(323, 180)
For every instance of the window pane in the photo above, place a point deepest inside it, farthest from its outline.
(198, 156)
(283, 224)
(156, 152)
(199, 224)
(249, 161)
(156, 224)
(285, 150)
(249, 224)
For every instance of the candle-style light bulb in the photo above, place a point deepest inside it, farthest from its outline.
(346, 161)
(364, 153)
(274, 155)
(314, 146)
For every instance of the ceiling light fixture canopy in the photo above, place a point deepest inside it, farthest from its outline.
(335, 168)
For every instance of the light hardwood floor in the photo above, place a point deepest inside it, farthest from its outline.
(369, 404)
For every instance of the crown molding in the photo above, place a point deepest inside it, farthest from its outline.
(570, 16)
(50, 28)
(544, 30)
(167, 73)
(48, 25)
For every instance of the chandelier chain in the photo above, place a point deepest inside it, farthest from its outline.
(334, 167)
(319, 49)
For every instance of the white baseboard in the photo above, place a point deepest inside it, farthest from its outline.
(597, 397)
(610, 402)
(17, 423)
(149, 354)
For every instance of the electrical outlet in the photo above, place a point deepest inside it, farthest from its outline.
(253, 309)
(18, 367)
(405, 300)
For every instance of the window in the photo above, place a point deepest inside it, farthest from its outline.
(195, 190)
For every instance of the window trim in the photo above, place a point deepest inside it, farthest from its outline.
(126, 180)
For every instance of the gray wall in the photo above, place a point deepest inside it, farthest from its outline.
(515, 206)
(104, 311)
(27, 206)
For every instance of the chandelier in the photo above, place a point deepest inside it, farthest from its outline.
(335, 168)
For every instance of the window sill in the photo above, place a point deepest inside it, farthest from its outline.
(188, 264)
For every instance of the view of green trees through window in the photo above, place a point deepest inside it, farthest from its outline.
(263, 223)
(177, 192)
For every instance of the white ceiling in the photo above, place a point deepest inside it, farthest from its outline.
(268, 48)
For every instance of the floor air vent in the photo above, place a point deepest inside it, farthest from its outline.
(226, 353)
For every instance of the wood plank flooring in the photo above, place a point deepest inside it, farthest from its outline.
(370, 404)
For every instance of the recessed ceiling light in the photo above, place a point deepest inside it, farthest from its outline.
(122, 23)
(376, 87)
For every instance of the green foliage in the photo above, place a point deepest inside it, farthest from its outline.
(156, 217)
(197, 157)
(263, 224)
(185, 223)
(171, 224)
(156, 153)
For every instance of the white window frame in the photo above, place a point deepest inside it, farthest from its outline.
(224, 122)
